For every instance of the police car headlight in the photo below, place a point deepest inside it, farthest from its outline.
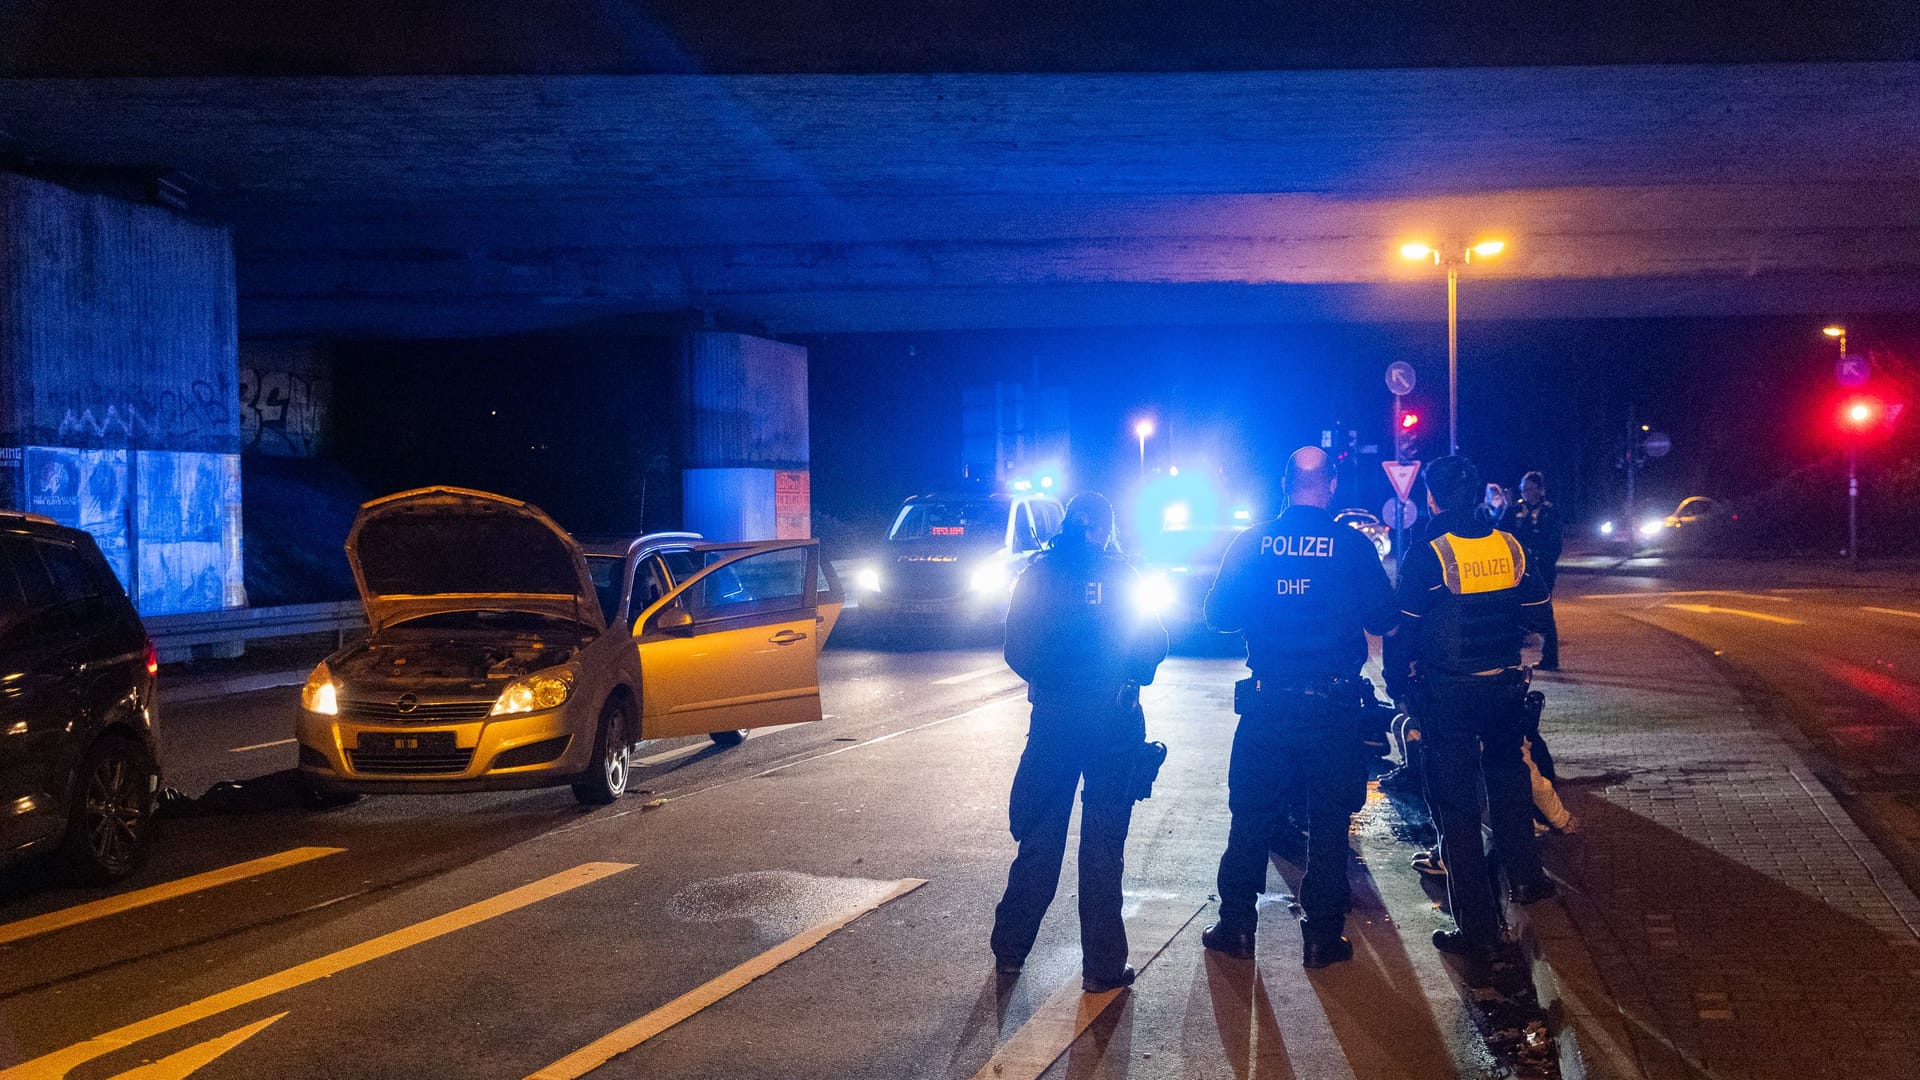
(534, 693)
(1651, 528)
(1153, 594)
(866, 579)
(989, 577)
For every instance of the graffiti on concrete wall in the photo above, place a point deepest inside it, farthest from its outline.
(190, 414)
(282, 412)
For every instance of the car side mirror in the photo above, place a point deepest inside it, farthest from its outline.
(674, 621)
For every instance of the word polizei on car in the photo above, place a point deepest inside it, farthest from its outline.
(505, 654)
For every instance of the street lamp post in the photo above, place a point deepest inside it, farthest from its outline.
(1857, 415)
(1142, 429)
(1485, 249)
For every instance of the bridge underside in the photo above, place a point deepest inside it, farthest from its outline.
(462, 206)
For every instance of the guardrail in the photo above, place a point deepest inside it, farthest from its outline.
(175, 636)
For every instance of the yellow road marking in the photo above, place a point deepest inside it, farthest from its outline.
(1655, 595)
(969, 676)
(625, 1038)
(1709, 609)
(55, 1066)
(114, 905)
(1055, 1026)
(179, 1066)
(1893, 611)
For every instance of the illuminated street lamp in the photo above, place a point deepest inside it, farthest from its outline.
(1485, 249)
(1143, 428)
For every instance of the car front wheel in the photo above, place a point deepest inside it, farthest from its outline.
(110, 829)
(606, 777)
(728, 738)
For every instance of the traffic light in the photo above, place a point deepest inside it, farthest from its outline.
(1406, 435)
(1861, 415)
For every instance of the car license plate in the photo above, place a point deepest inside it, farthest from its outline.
(407, 742)
(922, 608)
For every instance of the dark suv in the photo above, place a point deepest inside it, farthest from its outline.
(78, 757)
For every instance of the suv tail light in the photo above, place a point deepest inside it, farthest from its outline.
(153, 658)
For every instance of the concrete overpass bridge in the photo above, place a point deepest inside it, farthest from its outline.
(169, 210)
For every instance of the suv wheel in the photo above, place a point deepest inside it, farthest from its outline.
(606, 777)
(111, 826)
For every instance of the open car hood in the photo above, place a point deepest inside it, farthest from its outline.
(443, 549)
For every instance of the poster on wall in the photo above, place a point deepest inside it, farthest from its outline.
(84, 489)
(189, 530)
(792, 504)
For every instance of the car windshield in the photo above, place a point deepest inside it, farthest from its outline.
(1188, 547)
(607, 573)
(983, 521)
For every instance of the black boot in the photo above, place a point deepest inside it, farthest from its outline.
(1093, 985)
(1321, 952)
(1222, 938)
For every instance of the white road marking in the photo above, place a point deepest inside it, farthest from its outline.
(1893, 611)
(260, 746)
(139, 898)
(625, 1038)
(969, 676)
(1709, 609)
(56, 1065)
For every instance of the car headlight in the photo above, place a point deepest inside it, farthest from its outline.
(320, 695)
(534, 693)
(1606, 528)
(1652, 528)
(1153, 594)
(866, 579)
(989, 577)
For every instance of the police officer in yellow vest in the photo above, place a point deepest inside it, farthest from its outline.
(1305, 590)
(1467, 601)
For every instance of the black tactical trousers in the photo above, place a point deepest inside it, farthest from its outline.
(1298, 747)
(1470, 738)
(1064, 744)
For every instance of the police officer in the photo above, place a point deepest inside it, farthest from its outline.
(1466, 602)
(1075, 635)
(1536, 524)
(1304, 590)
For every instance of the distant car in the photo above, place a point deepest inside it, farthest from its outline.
(1177, 568)
(79, 750)
(1698, 521)
(504, 654)
(952, 559)
(1370, 526)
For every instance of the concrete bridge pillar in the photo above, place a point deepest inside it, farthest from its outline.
(745, 407)
(118, 404)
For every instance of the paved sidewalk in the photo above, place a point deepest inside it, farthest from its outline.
(1721, 916)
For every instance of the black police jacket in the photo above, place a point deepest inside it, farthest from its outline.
(1538, 529)
(1073, 629)
(1304, 590)
(1467, 600)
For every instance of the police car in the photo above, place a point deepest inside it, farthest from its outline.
(951, 559)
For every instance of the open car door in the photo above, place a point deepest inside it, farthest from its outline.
(735, 645)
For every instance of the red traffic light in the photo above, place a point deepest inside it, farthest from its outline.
(1409, 420)
(1862, 413)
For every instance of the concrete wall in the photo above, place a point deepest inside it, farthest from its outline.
(745, 401)
(118, 407)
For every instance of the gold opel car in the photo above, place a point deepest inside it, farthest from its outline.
(504, 654)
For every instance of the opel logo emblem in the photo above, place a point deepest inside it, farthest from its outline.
(407, 703)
